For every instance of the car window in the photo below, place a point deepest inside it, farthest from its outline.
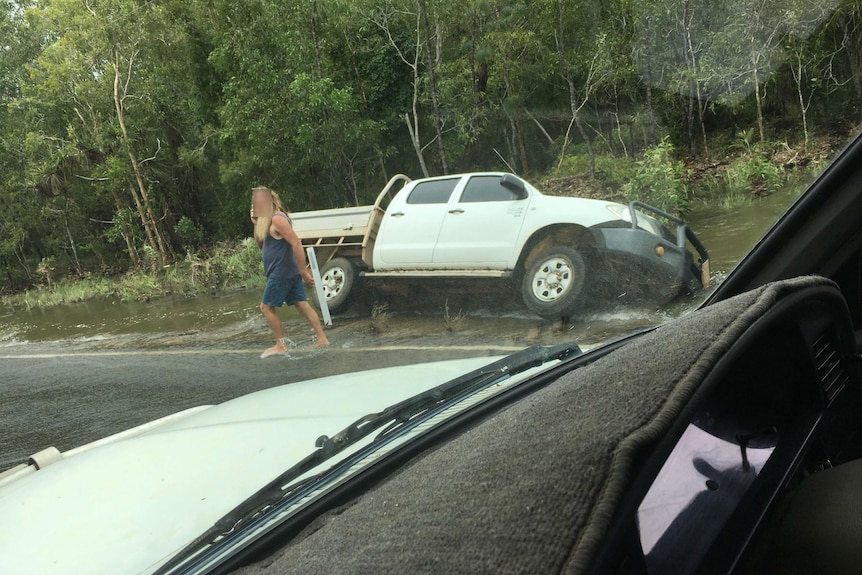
(486, 189)
(433, 192)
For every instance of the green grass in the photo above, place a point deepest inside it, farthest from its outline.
(223, 268)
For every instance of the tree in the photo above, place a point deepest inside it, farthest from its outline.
(810, 63)
(113, 96)
(410, 56)
(431, 64)
(578, 98)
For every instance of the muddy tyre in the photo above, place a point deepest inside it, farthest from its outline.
(339, 278)
(554, 281)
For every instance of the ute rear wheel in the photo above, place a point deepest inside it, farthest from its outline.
(340, 282)
(554, 281)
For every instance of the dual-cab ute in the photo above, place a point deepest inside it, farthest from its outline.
(559, 253)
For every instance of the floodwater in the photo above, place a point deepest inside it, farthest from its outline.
(495, 318)
(729, 233)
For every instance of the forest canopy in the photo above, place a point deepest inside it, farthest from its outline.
(131, 131)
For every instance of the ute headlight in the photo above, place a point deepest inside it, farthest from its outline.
(621, 212)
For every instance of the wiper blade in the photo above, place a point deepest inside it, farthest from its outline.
(385, 422)
(395, 415)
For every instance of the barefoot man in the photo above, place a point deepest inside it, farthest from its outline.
(282, 252)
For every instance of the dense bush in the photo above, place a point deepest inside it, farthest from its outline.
(188, 232)
(754, 174)
(660, 180)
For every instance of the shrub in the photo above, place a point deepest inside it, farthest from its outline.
(617, 171)
(189, 233)
(753, 174)
(660, 180)
(572, 165)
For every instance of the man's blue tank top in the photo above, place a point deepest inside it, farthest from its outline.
(278, 259)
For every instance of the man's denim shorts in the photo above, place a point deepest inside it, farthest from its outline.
(284, 291)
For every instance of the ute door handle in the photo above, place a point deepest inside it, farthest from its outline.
(456, 211)
(397, 214)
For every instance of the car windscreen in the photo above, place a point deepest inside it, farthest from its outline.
(144, 147)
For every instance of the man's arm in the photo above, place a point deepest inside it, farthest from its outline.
(282, 225)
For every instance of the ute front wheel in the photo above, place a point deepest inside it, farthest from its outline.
(554, 281)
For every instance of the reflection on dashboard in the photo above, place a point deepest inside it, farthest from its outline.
(696, 490)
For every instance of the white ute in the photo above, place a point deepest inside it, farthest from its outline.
(556, 251)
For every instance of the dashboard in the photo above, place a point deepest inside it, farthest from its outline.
(781, 406)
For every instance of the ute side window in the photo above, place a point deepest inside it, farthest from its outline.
(433, 192)
(487, 189)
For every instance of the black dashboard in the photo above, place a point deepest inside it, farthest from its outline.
(781, 406)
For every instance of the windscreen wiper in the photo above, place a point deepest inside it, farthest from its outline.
(397, 417)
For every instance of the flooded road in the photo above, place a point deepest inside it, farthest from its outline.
(729, 233)
(72, 374)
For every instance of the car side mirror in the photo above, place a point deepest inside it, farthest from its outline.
(514, 185)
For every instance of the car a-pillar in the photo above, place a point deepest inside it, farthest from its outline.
(555, 271)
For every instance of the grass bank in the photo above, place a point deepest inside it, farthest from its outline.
(222, 268)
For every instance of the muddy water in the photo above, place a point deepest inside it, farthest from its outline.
(728, 233)
(495, 318)
(100, 320)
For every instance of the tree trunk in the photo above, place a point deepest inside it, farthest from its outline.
(351, 166)
(619, 127)
(150, 222)
(382, 164)
(356, 71)
(513, 138)
(576, 118)
(522, 147)
(853, 40)
(127, 236)
(314, 39)
(412, 125)
(413, 128)
(414, 139)
(130, 247)
(432, 85)
(540, 126)
(758, 99)
(649, 80)
(142, 214)
(72, 245)
(573, 99)
(695, 79)
(797, 70)
(692, 148)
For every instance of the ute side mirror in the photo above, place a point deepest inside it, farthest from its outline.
(514, 185)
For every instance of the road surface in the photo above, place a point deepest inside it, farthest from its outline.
(70, 397)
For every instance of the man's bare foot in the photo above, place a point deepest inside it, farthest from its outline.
(277, 349)
(321, 342)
